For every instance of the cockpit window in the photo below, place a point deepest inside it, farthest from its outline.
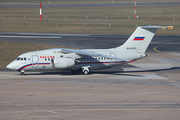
(18, 58)
(21, 58)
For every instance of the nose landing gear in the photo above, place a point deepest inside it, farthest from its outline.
(22, 72)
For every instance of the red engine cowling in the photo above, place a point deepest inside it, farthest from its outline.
(62, 63)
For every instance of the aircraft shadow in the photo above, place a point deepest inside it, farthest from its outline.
(135, 71)
(105, 72)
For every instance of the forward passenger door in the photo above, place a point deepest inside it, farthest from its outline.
(35, 61)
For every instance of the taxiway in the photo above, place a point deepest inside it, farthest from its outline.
(90, 41)
(146, 89)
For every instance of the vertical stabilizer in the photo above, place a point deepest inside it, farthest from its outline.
(140, 39)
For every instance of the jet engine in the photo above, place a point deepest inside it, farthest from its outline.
(63, 63)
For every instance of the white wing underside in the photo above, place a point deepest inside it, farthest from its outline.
(90, 53)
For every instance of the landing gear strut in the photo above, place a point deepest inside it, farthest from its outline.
(84, 70)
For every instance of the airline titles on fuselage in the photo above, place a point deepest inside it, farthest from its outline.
(47, 57)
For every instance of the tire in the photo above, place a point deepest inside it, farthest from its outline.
(22, 73)
(85, 72)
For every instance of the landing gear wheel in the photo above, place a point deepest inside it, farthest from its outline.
(86, 72)
(22, 73)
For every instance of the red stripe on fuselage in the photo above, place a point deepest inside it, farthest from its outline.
(27, 65)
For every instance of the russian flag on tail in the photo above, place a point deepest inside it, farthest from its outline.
(139, 38)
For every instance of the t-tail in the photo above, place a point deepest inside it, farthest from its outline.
(141, 38)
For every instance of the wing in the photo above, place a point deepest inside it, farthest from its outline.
(90, 53)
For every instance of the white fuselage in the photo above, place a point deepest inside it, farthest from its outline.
(41, 60)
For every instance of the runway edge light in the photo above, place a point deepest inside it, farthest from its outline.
(40, 19)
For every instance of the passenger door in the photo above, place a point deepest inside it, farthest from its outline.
(35, 61)
(113, 61)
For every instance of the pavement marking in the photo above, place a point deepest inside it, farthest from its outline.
(52, 112)
(107, 104)
(161, 79)
(155, 48)
(29, 37)
(120, 109)
(175, 54)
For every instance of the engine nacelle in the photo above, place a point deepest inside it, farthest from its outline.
(62, 63)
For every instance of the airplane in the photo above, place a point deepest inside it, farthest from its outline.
(85, 60)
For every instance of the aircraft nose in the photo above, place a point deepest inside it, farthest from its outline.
(11, 66)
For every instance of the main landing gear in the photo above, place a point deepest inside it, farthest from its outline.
(84, 70)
